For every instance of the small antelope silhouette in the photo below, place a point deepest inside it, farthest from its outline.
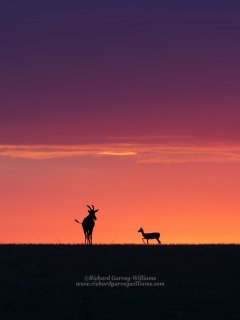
(88, 224)
(147, 236)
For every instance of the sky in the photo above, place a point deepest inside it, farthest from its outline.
(132, 106)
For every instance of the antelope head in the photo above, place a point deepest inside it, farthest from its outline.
(92, 212)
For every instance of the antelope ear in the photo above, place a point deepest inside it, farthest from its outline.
(96, 210)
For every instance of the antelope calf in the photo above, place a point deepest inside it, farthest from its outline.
(147, 236)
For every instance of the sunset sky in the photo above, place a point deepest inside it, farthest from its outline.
(131, 105)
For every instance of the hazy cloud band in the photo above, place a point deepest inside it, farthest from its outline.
(140, 153)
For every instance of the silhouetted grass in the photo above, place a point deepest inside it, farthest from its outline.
(39, 281)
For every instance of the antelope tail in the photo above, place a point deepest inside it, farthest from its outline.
(77, 221)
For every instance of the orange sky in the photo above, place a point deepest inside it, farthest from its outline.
(187, 202)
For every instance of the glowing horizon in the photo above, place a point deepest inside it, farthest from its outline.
(188, 200)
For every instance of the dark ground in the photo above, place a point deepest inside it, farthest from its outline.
(201, 282)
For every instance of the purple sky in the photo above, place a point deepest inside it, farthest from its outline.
(74, 72)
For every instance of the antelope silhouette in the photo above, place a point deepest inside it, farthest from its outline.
(147, 236)
(88, 224)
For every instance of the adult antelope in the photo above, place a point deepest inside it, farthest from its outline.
(88, 224)
(147, 236)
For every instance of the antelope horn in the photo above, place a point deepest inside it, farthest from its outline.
(90, 209)
(94, 209)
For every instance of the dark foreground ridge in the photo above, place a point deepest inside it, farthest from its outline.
(113, 282)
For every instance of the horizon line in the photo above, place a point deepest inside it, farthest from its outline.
(120, 244)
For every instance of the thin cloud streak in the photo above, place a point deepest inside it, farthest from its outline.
(117, 153)
(44, 152)
(160, 139)
(140, 152)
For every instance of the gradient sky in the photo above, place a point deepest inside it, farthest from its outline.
(133, 106)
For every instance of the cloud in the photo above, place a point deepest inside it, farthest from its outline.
(190, 155)
(117, 153)
(152, 138)
(144, 152)
(41, 152)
